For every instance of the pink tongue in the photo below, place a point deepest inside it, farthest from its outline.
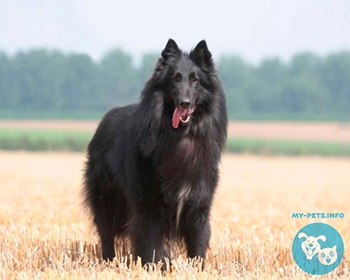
(178, 113)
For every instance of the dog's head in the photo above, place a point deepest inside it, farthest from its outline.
(185, 81)
(311, 242)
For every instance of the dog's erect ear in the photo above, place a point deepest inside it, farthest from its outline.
(171, 49)
(201, 55)
(322, 237)
(301, 235)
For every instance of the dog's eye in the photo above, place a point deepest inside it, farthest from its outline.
(194, 80)
(177, 78)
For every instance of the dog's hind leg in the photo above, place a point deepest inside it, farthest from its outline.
(110, 215)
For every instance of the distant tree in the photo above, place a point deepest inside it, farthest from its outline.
(118, 78)
(302, 90)
(264, 93)
(44, 80)
(7, 100)
(335, 77)
(33, 77)
(148, 63)
(236, 76)
(80, 84)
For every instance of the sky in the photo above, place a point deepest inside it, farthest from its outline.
(253, 29)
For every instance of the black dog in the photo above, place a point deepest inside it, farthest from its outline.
(152, 167)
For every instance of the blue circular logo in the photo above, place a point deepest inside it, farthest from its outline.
(318, 248)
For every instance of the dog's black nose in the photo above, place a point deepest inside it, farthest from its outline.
(185, 103)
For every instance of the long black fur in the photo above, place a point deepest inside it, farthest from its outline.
(149, 181)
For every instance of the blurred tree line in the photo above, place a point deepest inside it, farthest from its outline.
(307, 86)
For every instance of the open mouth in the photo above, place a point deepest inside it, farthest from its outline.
(181, 115)
(311, 251)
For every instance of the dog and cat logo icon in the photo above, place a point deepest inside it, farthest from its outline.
(311, 247)
(318, 248)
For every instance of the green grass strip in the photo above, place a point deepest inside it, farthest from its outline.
(56, 140)
(287, 147)
(97, 115)
(43, 140)
(50, 115)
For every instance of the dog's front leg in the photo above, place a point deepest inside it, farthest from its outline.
(195, 228)
(147, 237)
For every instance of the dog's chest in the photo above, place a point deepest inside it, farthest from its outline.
(181, 199)
(181, 155)
(185, 148)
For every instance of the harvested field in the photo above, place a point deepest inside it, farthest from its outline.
(45, 234)
(308, 131)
